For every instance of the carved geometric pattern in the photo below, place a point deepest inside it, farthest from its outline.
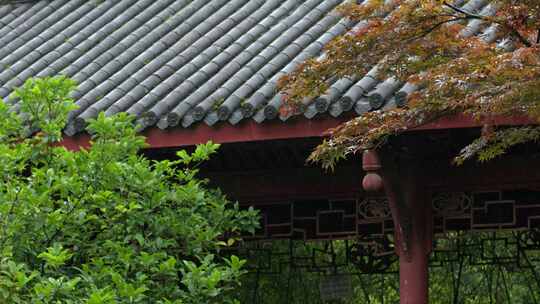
(374, 217)
(363, 256)
(486, 210)
(373, 255)
(356, 218)
(530, 239)
(529, 247)
(374, 208)
(482, 248)
(325, 219)
(494, 214)
(451, 204)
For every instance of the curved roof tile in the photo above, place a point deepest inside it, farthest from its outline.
(181, 62)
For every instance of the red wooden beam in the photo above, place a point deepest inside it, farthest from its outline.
(76, 142)
(466, 121)
(244, 132)
(249, 131)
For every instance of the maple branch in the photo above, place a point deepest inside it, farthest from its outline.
(538, 37)
(434, 27)
(513, 30)
(468, 14)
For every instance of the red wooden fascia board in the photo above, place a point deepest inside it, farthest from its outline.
(466, 121)
(251, 131)
(248, 131)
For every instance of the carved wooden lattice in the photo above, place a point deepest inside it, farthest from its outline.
(489, 210)
(326, 219)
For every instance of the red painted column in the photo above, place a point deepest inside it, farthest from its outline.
(413, 264)
(411, 213)
(413, 280)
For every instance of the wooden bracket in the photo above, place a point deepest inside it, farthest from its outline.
(401, 214)
(400, 187)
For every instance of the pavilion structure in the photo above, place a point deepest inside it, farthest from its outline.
(197, 70)
(410, 190)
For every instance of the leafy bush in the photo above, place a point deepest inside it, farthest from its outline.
(105, 224)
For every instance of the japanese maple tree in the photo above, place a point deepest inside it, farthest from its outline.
(448, 68)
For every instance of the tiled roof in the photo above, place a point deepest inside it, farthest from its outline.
(179, 62)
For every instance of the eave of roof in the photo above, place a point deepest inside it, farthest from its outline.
(250, 131)
(183, 63)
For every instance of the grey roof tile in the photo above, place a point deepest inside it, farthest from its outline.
(225, 56)
(182, 43)
(270, 69)
(491, 33)
(211, 118)
(362, 106)
(360, 88)
(473, 6)
(260, 62)
(336, 90)
(382, 92)
(178, 62)
(236, 116)
(475, 25)
(271, 110)
(401, 95)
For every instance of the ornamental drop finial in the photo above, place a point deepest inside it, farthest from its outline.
(371, 163)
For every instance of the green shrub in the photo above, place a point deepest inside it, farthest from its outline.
(105, 224)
